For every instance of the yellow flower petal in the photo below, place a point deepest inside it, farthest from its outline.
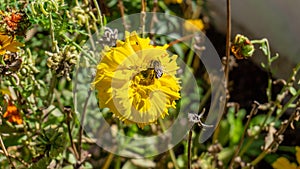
(283, 163)
(7, 43)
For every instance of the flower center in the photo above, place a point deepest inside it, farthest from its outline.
(144, 77)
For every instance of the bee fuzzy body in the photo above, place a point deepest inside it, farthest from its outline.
(158, 69)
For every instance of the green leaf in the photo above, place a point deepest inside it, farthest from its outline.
(226, 154)
(223, 136)
(263, 65)
(88, 165)
(129, 165)
(112, 3)
(71, 158)
(68, 167)
(258, 119)
(178, 50)
(41, 164)
(292, 106)
(293, 91)
(143, 163)
(104, 20)
(180, 160)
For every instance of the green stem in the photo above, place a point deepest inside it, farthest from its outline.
(87, 27)
(51, 89)
(54, 49)
(205, 99)
(82, 122)
(190, 149)
(108, 161)
(99, 13)
(68, 121)
(171, 152)
(54, 42)
(190, 58)
(287, 105)
(6, 153)
(268, 68)
(75, 87)
(246, 147)
(118, 163)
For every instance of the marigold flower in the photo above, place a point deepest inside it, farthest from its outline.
(137, 81)
(13, 114)
(284, 163)
(7, 43)
(193, 25)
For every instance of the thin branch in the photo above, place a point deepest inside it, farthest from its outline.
(68, 121)
(82, 121)
(108, 161)
(154, 18)
(253, 111)
(99, 13)
(17, 159)
(121, 7)
(55, 49)
(143, 17)
(181, 39)
(54, 42)
(228, 37)
(171, 152)
(6, 153)
(190, 149)
(87, 27)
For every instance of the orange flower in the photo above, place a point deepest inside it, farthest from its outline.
(7, 43)
(13, 114)
(14, 22)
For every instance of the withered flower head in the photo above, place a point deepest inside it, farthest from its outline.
(14, 22)
(242, 47)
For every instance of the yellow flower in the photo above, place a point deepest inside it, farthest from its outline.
(137, 81)
(173, 1)
(194, 25)
(284, 163)
(7, 43)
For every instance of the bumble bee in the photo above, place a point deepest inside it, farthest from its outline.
(156, 66)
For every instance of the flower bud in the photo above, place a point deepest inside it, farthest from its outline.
(242, 47)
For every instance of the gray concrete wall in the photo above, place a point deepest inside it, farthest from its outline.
(276, 20)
